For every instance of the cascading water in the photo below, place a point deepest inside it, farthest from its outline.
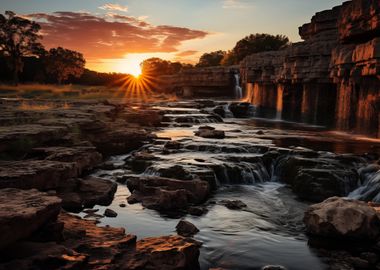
(370, 189)
(238, 89)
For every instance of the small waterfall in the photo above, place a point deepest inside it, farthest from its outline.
(370, 189)
(227, 112)
(238, 89)
(242, 173)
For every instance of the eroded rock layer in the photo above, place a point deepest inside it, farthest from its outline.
(331, 78)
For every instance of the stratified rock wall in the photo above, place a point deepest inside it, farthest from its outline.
(202, 82)
(331, 78)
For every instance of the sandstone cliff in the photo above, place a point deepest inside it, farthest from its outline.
(331, 78)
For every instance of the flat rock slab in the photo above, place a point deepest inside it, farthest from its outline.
(165, 252)
(24, 211)
(39, 174)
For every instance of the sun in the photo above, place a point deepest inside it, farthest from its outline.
(135, 71)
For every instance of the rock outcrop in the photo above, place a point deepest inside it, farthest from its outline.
(342, 218)
(22, 212)
(202, 82)
(167, 194)
(335, 71)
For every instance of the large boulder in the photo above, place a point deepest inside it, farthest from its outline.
(22, 212)
(342, 218)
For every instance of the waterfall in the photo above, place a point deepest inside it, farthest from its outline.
(238, 89)
(370, 189)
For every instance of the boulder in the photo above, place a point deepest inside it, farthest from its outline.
(22, 212)
(234, 205)
(210, 133)
(185, 228)
(241, 110)
(342, 218)
(110, 213)
(86, 193)
(167, 194)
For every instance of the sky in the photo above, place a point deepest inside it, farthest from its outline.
(116, 35)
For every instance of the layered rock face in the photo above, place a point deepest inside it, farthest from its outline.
(332, 78)
(202, 82)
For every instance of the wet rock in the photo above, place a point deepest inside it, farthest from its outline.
(85, 193)
(144, 117)
(196, 211)
(316, 179)
(343, 218)
(185, 228)
(260, 132)
(176, 172)
(273, 267)
(241, 110)
(172, 145)
(122, 205)
(167, 194)
(110, 213)
(319, 184)
(210, 133)
(234, 205)
(22, 212)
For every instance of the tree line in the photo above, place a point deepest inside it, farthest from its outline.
(22, 56)
(21, 51)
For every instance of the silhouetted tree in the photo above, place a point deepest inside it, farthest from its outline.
(211, 59)
(157, 66)
(255, 43)
(18, 38)
(63, 63)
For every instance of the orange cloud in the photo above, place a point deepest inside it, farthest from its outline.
(112, 36)
(186, 53)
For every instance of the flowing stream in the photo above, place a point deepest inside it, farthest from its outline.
(269, 231)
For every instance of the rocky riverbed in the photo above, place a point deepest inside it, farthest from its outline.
(72, 173)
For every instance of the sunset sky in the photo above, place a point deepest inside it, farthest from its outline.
(118, 35)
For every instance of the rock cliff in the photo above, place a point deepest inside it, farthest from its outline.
(331, 78)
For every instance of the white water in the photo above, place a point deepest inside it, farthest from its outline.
(238, 89)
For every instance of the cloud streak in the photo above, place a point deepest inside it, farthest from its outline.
(235, 4)
(111, 36)
(114, 7)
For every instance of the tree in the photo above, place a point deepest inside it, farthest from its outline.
(157, 67)
(63, 63)
(256, 43)
(18, 38)
(229, 59)
(211, 59)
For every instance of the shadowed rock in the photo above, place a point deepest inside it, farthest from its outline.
(22, 212)
(167, 194)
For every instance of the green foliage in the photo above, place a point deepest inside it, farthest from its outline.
(157, 66)
(256, 43)
(18, 38)
(211, 59)
(63, 63)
